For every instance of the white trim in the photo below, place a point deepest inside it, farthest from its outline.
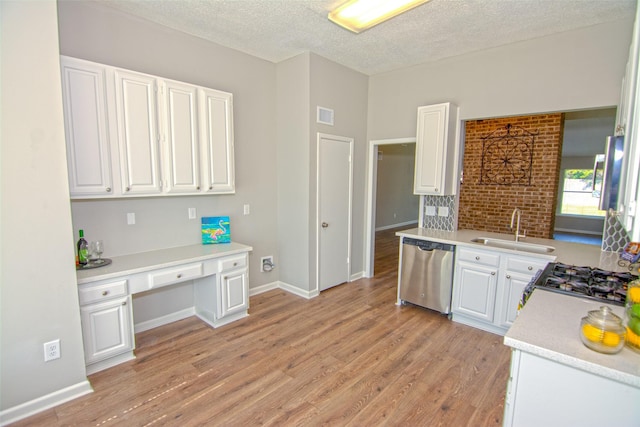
(349, 141)
(370, 214)
(45, 402)
(164, 320)
(285, 287)
(572, 231)
(400, 224)
(356, 276)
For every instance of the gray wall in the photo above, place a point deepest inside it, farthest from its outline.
(97, 33)
(574, 70)
(395, 201)
(39, 296)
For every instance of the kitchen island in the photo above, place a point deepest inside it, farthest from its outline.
(556, 380)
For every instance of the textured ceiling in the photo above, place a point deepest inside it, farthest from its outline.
(276, 30)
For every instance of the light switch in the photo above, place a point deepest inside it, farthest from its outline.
(131, 218)
(247, 209)
(443, 211)
(192, 213)
(430, 211)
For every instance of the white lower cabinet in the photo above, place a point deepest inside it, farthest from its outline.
(233, 288)
(107, 324)
(488, 285)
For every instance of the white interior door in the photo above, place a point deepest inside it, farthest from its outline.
(334, 209)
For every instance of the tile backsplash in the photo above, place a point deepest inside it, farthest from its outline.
(437, 222)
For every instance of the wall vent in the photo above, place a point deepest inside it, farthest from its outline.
(325, 116)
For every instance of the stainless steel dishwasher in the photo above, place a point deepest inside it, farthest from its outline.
(427, 274)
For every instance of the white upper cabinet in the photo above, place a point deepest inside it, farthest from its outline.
(437, 153)
(216, 126)
(86, 128)
(180, 137)
(136, 107)
(134, 134)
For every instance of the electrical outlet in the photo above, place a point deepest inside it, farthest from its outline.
(131, 218)
(52, 350)
(266, 264)
(443, 211)
(247, 209)
(192, 213)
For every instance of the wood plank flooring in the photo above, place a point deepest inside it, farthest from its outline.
(349, 357)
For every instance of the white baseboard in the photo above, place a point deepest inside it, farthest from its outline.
(356, 276)
(164, 320)
(43, 403)
(401, 224)
(285, 287)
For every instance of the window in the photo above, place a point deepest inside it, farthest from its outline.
(581, 190)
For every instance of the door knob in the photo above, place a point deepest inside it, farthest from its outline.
(325, 225)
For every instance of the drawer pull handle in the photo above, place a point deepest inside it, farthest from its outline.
(508, 276)
(105, 293)
(179, 275)
(530, 268)
(477, 258)
(493, 273)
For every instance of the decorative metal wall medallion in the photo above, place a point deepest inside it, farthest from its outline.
(507, 156)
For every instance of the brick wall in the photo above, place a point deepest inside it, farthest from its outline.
(488, 207)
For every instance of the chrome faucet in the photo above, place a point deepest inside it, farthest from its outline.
(515, 216)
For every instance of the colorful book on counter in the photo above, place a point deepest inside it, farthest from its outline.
(215, 229)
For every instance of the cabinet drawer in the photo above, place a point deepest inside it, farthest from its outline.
(478, 257)
(175, 275)
(527, 266)
(89, 293)
(232, 263)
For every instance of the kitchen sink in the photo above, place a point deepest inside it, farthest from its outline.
(512, 244)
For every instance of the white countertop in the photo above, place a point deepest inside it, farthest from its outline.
(565, 252)
(548, 326)
(144, 261)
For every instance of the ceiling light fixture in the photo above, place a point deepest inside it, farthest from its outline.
(359, 15)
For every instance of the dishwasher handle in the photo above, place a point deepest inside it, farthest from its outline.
(425, 245)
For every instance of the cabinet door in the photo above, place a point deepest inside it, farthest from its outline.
(436, 150)
(181, 140)
(514, 284)
(234, 292)
(107, 329)
(474, 291)
(216, 130)
(136, 108)
(86, 128)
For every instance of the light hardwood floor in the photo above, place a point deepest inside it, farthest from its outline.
(349, 357)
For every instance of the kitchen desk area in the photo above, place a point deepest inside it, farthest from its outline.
(220, 294)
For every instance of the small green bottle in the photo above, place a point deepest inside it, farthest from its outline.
(83, 250)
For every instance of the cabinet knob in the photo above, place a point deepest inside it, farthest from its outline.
(530, 268)
(436, 190)
(211, 187)
(126, 189)
(105, 293)
(124, 303)
(508, 276)
(198, 187)
(225, 277)
(108, 189)
(179, 276)
(235, 263)
(477, 258)
(493, 273)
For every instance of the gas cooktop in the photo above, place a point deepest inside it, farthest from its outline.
(585, 282)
